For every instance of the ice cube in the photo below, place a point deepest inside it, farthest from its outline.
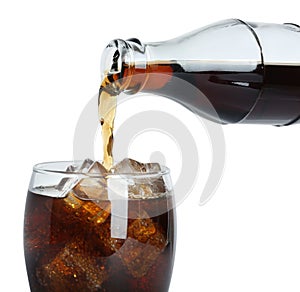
(97, 168)
(157, 183)
(140, 191)
(152, 167)
(142, 187)
(144, 244)
(87, 202)
(67, 183)
(85, 166)
(145, 230)
(73, 268)
(98, 212)
(141, 229)
(88, 199)
(94, 187)
(107, 244)
(87, 211)
(138, 257)
(128, 165)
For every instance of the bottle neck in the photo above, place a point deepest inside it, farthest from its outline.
(136, 67)
(126, 67)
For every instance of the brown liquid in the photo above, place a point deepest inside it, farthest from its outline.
(222, 96)
(268, 94)
(107, 112)
(107, 103)
(68, 246)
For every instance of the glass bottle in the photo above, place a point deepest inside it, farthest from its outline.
(229, 72)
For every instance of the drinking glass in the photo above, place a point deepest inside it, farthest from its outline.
(86, 230)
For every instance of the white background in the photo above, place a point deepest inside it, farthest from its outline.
(246, 238)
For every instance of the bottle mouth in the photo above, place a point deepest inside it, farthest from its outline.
(114, 56)
(121, 63)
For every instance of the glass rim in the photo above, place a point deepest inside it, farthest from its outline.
(51, 167)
